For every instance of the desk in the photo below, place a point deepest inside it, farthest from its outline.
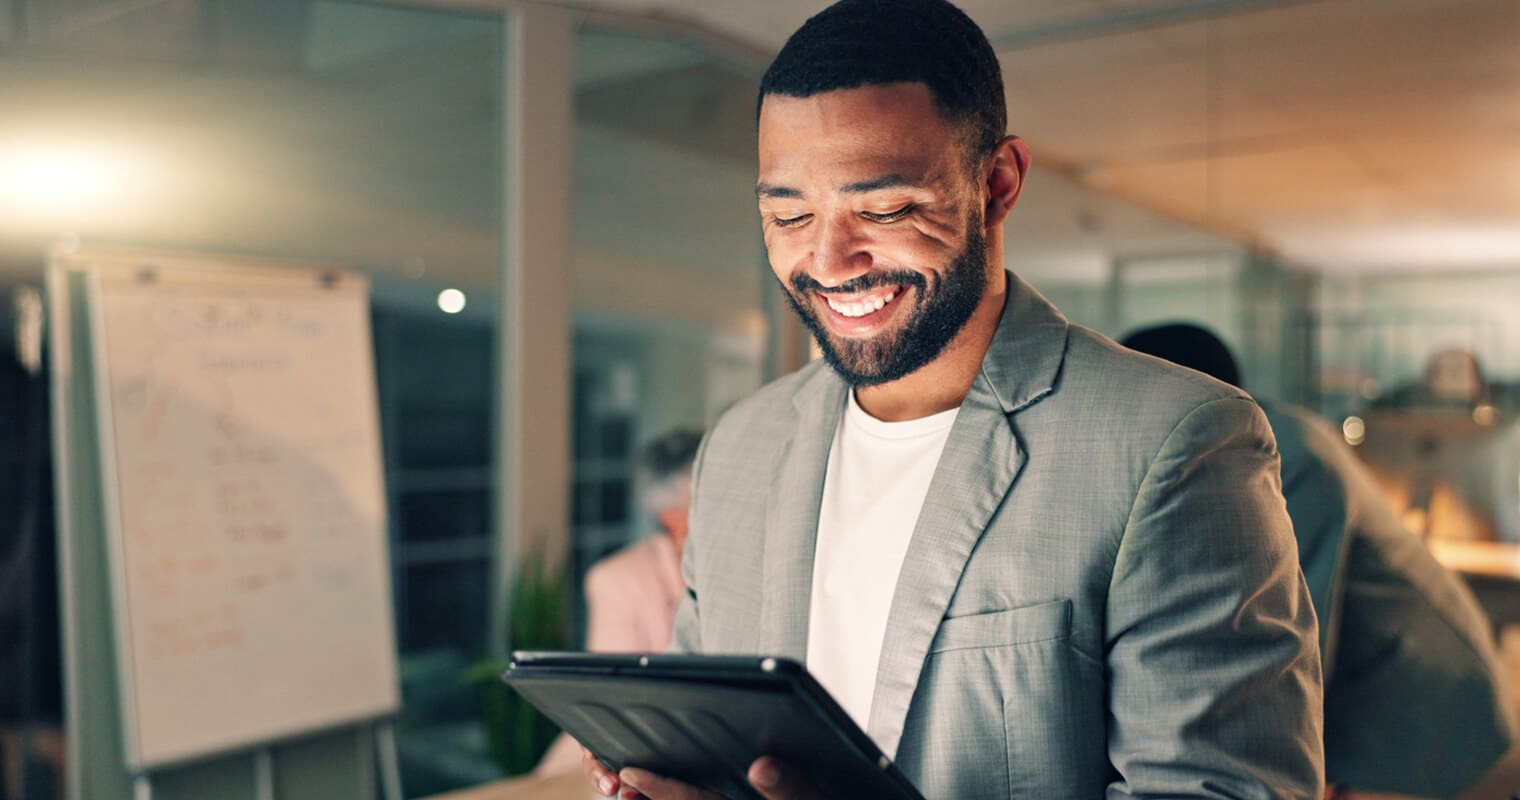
(1491, 570)
(567, 786)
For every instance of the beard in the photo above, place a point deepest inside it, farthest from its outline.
(938, 315)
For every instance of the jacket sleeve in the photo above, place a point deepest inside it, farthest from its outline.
(1211, 643)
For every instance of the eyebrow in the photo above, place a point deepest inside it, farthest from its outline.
(764, 190)
(889, 181)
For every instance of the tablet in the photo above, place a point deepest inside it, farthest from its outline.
(705, 719)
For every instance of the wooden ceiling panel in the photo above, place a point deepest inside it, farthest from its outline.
(769, 23)
(1242, 193)
(1126, 129)
(1470, 174)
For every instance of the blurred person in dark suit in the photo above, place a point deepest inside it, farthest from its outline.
(31, 694)
(631, 595)
(1414, 703)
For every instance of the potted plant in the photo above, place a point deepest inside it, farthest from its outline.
(537, 619)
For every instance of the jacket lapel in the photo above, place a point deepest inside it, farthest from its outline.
(791, 522)
(981, 460)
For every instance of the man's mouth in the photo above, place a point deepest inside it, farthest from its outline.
(862, 304)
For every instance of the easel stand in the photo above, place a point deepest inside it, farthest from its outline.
(390, 763)
(382, 733)
(193, 376)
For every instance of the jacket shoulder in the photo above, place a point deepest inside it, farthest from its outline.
(1117, 380)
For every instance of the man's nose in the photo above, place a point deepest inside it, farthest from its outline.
(839, 254)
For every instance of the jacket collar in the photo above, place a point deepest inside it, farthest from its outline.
(1024, 360)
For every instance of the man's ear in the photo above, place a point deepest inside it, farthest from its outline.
(1005, 178)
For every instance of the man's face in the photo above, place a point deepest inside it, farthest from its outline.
(873, 225)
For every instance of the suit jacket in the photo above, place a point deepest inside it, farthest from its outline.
(1414, 702)
(1101, 596)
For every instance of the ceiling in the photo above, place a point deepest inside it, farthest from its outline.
(1346, 135)
(1343, 135)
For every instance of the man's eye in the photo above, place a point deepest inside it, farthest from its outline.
(789, 222)
(889, 216)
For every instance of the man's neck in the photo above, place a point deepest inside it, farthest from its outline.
(943, 383)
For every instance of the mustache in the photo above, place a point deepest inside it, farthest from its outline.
(803, 283)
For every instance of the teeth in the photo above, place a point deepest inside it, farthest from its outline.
(862, 307)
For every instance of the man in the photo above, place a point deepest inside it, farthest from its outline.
(1414, 702)
(1028, 562)
(631, 595)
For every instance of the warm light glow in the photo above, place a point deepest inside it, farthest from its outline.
(1486, 415)
(60, 177)
(1355, 430)
(451, 301)
(1416, 520)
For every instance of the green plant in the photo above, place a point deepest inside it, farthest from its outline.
(537, 619)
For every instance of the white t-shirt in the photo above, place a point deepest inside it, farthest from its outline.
(878, 476)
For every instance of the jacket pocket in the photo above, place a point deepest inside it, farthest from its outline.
(1037, 623)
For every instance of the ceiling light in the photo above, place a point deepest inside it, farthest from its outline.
(60, 178)
(451, 301)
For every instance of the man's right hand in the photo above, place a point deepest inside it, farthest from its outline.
(772, 779)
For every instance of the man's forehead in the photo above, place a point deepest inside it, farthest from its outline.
(885, 180)
(854, 140)
(790, 171)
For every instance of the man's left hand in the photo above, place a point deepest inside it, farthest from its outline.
(772, 779)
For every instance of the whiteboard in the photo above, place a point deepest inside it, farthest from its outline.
(245, 504)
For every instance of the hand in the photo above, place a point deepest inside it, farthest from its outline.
(772, 779)
(604, 780)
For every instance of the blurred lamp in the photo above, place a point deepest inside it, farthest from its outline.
(1354, 429)
(451, 301)
(59, 178)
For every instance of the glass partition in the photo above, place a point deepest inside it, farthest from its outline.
(670, 273)
(313, 130)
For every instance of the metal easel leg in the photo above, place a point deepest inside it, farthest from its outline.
(390, 766)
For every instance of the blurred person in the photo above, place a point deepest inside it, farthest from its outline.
(31, 690)
(1027, 562)
(1414, 702)
(1453, 381)
(1445, 452)
(631, 595)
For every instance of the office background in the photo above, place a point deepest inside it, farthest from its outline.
(555, 206)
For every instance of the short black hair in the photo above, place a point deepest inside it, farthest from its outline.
(1187, 345)
(856, 43)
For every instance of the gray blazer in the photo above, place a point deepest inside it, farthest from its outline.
(1101, 597)
(1415, 702)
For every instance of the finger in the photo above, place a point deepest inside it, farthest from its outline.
(775, 781)
(602, 778)
(659, 787)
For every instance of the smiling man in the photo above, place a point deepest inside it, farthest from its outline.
(1028, 562)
